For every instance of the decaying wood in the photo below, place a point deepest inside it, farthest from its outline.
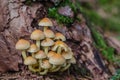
(15, 23)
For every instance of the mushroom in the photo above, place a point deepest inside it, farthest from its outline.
(72, 60)
(49, 33)
(67, 55)
(37, 35)
(56, 60)
(23, 45)
(45, 65)
(30, 61)
(50, 54)
(59, 36)
(45, 22)
(65, 67)
(40, 55)
(32, 49)
(46, 43)
(59, 45)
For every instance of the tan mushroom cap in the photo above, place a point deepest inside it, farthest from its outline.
(30, 60)
(40, 55)
(33, 48)
(49, 33)
(67, 55)
(47, 42)
(22, 44)
(37, 35)
(72, 60)
(45, 22)
(60, 44)
(45, 64)
(57, 59)
(60, 36)
(50, 54)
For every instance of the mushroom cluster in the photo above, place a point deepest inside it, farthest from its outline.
(49, 53)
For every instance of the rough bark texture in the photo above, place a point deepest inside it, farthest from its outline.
(15, 23)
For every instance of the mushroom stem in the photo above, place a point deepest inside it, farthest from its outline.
(46, 50)
(32, 69)
(53, 67)
(40, 61)
(44, 72)
(33, 54)
(38, 44)
(56, 69)
(59, 50)
(45, 28)
(24, 54)
(65, 68)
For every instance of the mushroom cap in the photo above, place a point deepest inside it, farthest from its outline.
(40, 55)
(45, 22)
(72, 60)
(47, 42)
(67, 55)
(30, 60)
(50, 54)
(49, 33)
(57, 59)
(45, 64)
(60, 36)
(33, 48)
(22, 44)
(60, 44)
(37, 35)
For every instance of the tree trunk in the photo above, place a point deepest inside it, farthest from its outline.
(18, 20)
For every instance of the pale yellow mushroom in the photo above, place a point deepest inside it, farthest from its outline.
(45, 65)
(40, 55)
(56, 60)
(45, 22)
(32, 49)
(58, 46)
(30, 61)
(23, 45)
(49, 33)
(46, 44)
(37, 35)
(59, 36)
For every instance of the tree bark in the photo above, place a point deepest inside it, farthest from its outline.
(17, 21)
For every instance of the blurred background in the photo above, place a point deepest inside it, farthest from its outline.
(104, 14)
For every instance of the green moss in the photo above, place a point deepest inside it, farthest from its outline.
(53, 13)
(116, 76)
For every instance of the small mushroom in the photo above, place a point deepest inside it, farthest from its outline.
(56, 60)
(45, 22)
(72, 60)
(50, 54)
(49, 33)
(59, 36)
(67, 55)
(23, 45)
(46, 44)
(68, 63)
(32, 49)
(30, 61)
(40, 55)
(65, 67)
(37, 35)
(59, 45)
(45, 65)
